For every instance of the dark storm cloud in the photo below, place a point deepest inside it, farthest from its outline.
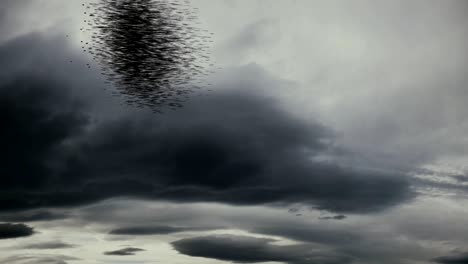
(454, 259)
(243, 249)
(32, 216)
(231, 147)
(234, 148)
(152, 230)
(37, 118)
(49, 245)
(8, 231)
(130, 251)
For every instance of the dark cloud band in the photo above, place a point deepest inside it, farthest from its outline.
(8, 231)
(232, 147)
(130, 251)
(453, 259)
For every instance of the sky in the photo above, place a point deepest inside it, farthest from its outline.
(324, 132)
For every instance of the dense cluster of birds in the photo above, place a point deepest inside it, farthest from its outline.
(153, 51)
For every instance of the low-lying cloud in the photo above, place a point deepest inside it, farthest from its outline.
(244, 249)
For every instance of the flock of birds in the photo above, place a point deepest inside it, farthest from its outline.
(153, 51)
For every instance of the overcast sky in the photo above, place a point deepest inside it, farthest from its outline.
(332, 132)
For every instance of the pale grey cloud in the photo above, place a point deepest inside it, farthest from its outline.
(38, 259)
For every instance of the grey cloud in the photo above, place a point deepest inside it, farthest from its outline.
(397, 91)
(310, 234)
(253, 37)
(367, 246)
(335, 217)
(130, 251)
(8, 16)
(48, 245)
(461, 178)
(37, 259)
(243, 249)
